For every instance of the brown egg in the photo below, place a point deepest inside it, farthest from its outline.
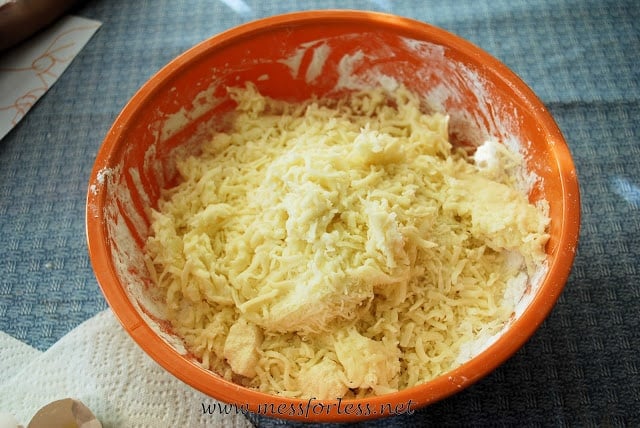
(66, 413)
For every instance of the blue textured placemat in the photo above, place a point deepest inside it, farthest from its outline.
(580, 57)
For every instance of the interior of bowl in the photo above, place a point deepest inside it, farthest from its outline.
(294, 57)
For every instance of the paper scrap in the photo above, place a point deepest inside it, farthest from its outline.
(28, 70)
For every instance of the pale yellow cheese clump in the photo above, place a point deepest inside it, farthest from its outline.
(339, 248)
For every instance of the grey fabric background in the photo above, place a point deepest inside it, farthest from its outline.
(582, 58)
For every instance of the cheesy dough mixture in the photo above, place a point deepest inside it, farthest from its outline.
(340, 248)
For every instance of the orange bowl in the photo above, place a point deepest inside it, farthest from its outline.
(293, 57)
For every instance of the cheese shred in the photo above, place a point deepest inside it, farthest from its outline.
(340, 247)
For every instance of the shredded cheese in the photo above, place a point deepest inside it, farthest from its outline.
(340, 248)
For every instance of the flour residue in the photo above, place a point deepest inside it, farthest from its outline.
(319, 51)
(348, 78)
(175, 122)
(125, 227)
(320, 55)
(294, 60)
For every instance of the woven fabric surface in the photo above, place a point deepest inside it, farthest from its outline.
(581, 57)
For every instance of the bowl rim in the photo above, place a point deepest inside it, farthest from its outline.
(421, 395)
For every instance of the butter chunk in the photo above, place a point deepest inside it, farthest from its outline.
(241, 347)
(324, 380)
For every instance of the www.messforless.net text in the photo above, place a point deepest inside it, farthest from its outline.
(312, 408)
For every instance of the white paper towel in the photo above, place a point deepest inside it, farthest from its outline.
(100, 365)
